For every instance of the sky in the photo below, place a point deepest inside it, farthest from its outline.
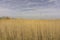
(35, 9)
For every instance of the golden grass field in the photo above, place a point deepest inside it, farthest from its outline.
(25, 29)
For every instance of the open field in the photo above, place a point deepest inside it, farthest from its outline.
(22, 29)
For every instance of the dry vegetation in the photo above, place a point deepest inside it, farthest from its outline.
(22, 29)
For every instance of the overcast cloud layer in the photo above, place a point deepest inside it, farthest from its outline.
(36, 9)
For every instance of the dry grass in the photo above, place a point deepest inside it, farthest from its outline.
(21, 29)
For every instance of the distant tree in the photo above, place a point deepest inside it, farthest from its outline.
(7, 17)
(4, 17)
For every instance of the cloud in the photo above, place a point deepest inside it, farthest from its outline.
(38, 13)
(20, 4)
(36, 9)
(6, 12)
(47, 13)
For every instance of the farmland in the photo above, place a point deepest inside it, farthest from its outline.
(25, 29)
